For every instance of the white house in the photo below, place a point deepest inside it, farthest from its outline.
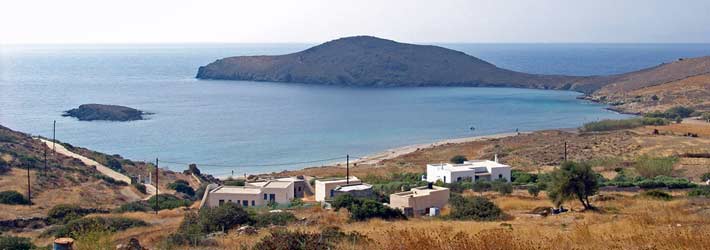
(325, 188)
(473, 170)
(251, 194)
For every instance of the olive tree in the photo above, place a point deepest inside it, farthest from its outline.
(573, 180)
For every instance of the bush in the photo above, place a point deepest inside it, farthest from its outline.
(277, 219)
(328, 238)
(481, 186)
(502, 187)
(458, 159)
(223, 217)
(533, 190)
(78, 227)
(700, 191)
(12, 197)
(651, 167)
(665, 181)
(237, 182)
(114, 164)
(673, 113)
(609, 125)
(15, 243)
(657, 194)
(363, 209)
(705, 177)
(168, 201)
(520, 178)
(136, 206)
(182, 187)
(296, 202)
(474, 208)
(63, 213)
(140, 187)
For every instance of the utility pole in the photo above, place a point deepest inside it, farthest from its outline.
(347, 169)
(29, 188)
(45, 157)
(54, 137)
(156, 186)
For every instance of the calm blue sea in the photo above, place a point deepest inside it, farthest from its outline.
(240, 126)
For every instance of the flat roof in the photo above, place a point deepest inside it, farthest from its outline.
(354, 187)
(336, 180)
(270, 184)
(469, 165)
(420, 191)
(236, 190)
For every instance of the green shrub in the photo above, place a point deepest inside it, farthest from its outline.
(481, 186)
(700, 191)
(533, 190)
(657, 194)
(63, 213)
(237, 182)
(665, 181)
(114, 164)
(650, 167)
(458, 159)
(136, 206)
(519, 177)
(276, 219)
(328, 238)
(12, 197)
(364, 209)
(573, 180)
(15, 243)
(182, 187)
(705, 177)
(223, 217)
(140, 187)
(502, 187)
(76, 228)
(168, 201)
(609, 125)
(296, 202)
(474, 208)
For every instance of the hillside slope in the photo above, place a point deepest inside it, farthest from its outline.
(371, 61)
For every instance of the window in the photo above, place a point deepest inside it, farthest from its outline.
(221, 202)
(299, 189)
(332, 192)
(253, 203)
(245, 203)
(500, 176)
(476, 178)
(458, 179)
(265, 197)
(239, 202)
(272, 197)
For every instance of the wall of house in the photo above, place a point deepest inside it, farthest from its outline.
(283, 195)
(367, 193)
(323, 188)
(437, 198)
(496, 173)
(214, 198)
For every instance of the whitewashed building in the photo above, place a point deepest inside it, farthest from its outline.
(476, 170)
(325, 189)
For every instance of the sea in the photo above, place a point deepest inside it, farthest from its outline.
(242, 127)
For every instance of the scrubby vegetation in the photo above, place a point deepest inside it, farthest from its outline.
(165, 201)
(674, 113)
(573, 180)
(275, 219)
(234, 182)
(458, 159)
(608, 125)
(363, 209)
(12, 197)
(63, 213)
(328, 238)
(703, 191)
(15, 243)
(474, 208)
(78, 227)
(650, 167)
(182, 187)
(383, 186)
(657, 194)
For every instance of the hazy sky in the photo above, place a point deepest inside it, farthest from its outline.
(175, 21)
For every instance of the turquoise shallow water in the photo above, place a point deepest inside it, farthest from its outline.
(241, 126)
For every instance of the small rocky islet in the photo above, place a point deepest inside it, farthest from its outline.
(104, 112)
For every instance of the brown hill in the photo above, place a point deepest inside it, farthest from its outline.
(371, 61)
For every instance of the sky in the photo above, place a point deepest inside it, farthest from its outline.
(314, 21)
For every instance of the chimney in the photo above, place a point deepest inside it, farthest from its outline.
(495, 158)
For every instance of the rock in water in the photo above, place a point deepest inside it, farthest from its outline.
(102, 112)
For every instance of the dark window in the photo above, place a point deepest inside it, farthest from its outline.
(332, 192)
(221, 202)
(500, 176)
(458, 179)
(476, 177)
(245, 203)
(252, 203)
(265, 197)
(272, 197)
(299, 189)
